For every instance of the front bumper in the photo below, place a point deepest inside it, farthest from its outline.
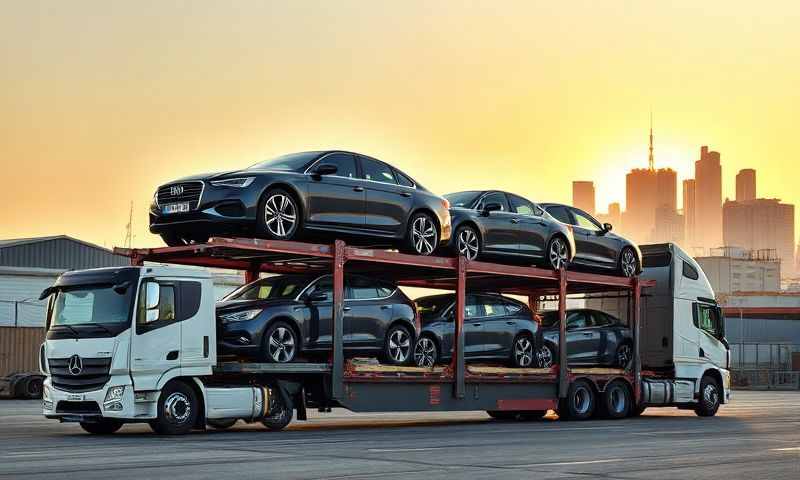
(93, 405)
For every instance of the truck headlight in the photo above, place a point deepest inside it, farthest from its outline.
(239, 316)
(114, 394)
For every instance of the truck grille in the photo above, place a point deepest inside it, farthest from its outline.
(93, 374)
(181, 192)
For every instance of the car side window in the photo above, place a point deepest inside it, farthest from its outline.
(560, 213)
(600, 319)
(325, 286)
(512, 308)
(583, 220)
(493, 307)
(402, 179)
(384, 291)
(377, 171)
(494, 197)
(577, 320)
(522, 206)
(357, 288)
(345, 164)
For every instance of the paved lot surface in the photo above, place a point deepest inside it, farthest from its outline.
(758, 436)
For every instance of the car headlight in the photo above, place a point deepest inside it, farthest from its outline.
(240, 182)
(239, 316)
(114, 394)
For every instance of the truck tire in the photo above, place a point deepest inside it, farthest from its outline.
(105, 426)
(709, 397)
(178, 408)
(281, 411)
(616, 400)
(579, 403)
(221, 423)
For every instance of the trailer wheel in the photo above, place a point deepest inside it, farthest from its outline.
(281, 411)
(580, 401)
(105, 426)
(502, 414)
(709, 397)
(221, 423)
(616, 400)
(177, 410)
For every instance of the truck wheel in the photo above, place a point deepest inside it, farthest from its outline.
(105, 426)
(177, 410)
(221, 423)
(502, 414)
(616, 400)
(709, 397)
(33, 387)
(280, 411)
(580, 402)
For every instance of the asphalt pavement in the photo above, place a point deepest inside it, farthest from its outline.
(756, 436)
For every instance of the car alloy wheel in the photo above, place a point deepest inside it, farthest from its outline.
(280, 215)
(281, 346)
(523, 352)
(628, 263)
(544, 357)
(424, 235)
(467, 243)
(557, 253)
(399, 345)
(425, 352)
(624, 355)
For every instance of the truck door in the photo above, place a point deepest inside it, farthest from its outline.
(156, 343)
(195, 315)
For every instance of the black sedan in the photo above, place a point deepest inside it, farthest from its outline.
(593, 338)
(490, 223)
(276, 319)
(597, 247)
(495, 328)
(337, 192)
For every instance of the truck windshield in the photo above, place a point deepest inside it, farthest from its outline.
(91, 305)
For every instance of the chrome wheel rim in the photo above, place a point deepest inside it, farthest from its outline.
(557, 253)
(425, 352)
(177, 408)
(628, 263)
(423, 235)
(280, 215)
(545, 357)
(623, 355)
(581, 400)
(523, 352)
(399, 345)
(710, 395)
(468, 244)
(281, 345)
(617, 399)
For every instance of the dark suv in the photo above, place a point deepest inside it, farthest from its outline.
(278, 318)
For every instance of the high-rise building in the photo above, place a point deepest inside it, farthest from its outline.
(746, 185)
(583, 196)
(614, 216)
(689, 210)
(761, 224)
(669, 226)
(708, 199)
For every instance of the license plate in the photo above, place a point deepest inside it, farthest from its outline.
(75, 397)
(176, 207)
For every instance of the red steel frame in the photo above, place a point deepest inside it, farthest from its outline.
(255, 256)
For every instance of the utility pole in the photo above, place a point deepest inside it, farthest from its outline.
(129, 229)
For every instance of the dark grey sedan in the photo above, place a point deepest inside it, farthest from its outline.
(309, 193)
(593, 338)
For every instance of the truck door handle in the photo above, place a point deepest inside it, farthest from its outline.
(205, 346)
(515, 220)
(358, 189)
(405, 194)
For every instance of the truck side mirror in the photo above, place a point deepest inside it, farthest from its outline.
(152, 296)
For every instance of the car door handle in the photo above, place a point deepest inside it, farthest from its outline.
(476, 324)
(385, 307)
(405, 194)
(587, 334)
(346, 309)
(515, 220)
(358, 189)
(509, 323)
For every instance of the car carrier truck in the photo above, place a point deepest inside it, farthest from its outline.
(138, 344)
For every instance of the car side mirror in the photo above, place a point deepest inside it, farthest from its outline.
(316, 297)
(607, 227)
(326, 169)
(491, 207)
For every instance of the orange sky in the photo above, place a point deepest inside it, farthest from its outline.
(102, 101)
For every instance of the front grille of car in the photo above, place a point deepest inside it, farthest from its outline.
(94, 373)
(78, 408)
(181, 192)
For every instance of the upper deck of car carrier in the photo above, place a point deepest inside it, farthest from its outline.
(363, 386)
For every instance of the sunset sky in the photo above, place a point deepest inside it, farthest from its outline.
(103, 101)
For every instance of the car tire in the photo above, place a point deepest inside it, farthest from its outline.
(178, 408)
(628, 263)
(710, 395)
(105, 426)
(280, 343)
(468, 242)
(615, 400)
(557, 252)
(422, 237)
(522, 355)
(503, 414)
(623, 357)
(398, 346)
(426, 352)
(579, 403)
(546, 357)
(221, 423)
(281, 411)
(279, 215)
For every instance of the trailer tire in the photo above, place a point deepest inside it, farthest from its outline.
(616, 400)
(503, 414)
(579, 403)
(177, 410)
(105, 426)
(282, 409)
(221, 423)
(709, 397)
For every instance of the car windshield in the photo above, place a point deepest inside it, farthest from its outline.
(462, 199)
(430, 308)
(91, 305)
(281, 287)
(292, 162)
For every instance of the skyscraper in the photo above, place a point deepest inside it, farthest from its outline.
(689, 210)
(614, 217)
(583, 196)
(746, 185)
(708, 199)
(763, 223)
